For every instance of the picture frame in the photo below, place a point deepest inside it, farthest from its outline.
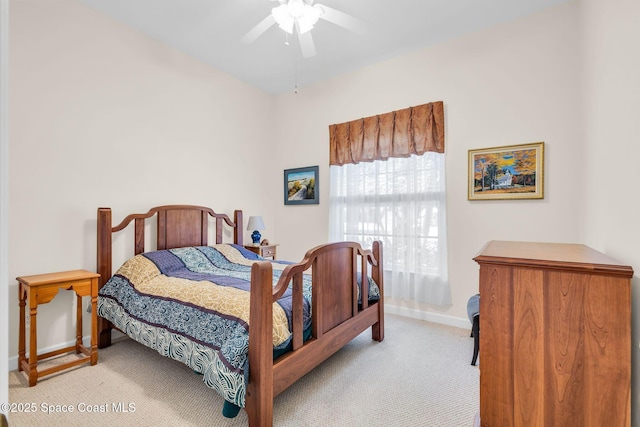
(507, 173)
(301, 186)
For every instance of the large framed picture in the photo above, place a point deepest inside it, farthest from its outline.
(301, 186)
(509, 172)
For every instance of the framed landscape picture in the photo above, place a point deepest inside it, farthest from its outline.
(301, 186)
(510, 172)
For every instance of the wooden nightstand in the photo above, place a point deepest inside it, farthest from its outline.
(41, 289)
(265, 251)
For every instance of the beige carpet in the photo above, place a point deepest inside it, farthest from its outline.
(420, 375)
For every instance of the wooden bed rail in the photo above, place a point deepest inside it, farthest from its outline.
(337, 317)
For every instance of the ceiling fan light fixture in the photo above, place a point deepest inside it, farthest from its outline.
(283, 18)
(298, 13)
(309, 18)
(296, 8)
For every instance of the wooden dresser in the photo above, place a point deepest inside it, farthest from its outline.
(555, 336)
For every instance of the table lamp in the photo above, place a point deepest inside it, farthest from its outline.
(255, 223)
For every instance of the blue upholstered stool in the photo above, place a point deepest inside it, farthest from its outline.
(473, 311)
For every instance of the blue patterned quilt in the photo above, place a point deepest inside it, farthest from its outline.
(192, 305)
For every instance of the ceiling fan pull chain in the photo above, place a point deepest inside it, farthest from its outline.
(295, 70)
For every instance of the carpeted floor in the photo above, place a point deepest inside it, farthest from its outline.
(420, 375)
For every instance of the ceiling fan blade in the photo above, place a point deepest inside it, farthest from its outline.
(342, 19)
(258, 30)
(306, 44)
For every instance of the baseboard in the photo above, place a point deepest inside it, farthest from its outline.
(13, 361)
(443, 319)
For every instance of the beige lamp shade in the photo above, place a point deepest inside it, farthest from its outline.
(255, 223)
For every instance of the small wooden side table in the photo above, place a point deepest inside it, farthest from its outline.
(41, 289)
(265, 251)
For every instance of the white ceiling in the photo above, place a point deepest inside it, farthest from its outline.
(210, 30)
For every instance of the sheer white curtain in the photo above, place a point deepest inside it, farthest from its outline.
(402, 202)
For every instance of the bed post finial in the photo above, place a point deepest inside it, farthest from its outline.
(237, 232)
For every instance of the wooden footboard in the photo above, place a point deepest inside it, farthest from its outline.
(337, 318)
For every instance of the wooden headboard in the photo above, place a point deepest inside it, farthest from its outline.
(178, 226)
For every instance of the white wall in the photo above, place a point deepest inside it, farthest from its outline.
(611, 41)
(103, 116)
(512, 84)
(4, 208)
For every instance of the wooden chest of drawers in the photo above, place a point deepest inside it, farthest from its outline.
(555, 340)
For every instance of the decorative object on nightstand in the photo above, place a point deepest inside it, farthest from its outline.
(256, 224)
(41, 289)
(264, 250)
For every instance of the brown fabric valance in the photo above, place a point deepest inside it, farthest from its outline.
(413, 130)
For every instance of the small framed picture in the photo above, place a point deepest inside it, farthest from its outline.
(301, 186)
(509, 172)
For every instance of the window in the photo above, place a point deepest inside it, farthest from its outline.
(400, 201)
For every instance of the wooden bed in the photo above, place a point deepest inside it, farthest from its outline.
(337, 315)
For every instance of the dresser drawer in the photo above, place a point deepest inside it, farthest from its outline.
(265, 251)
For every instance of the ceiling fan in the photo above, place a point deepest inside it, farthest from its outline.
(300, 16)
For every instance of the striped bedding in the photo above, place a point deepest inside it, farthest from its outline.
(192, 305)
